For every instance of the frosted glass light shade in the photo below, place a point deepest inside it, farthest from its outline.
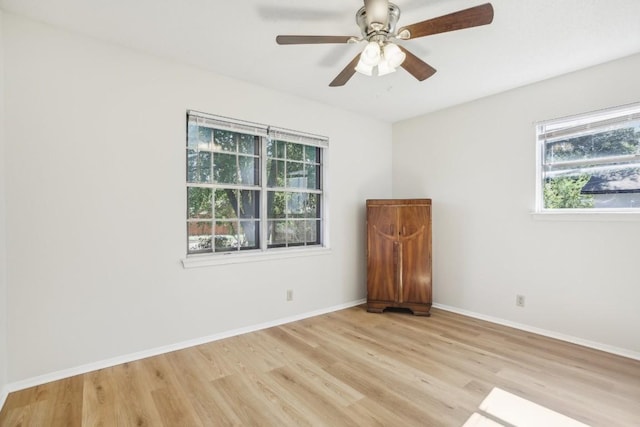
(385, 68)
(394, 55)
(363, 68)
(371, 54)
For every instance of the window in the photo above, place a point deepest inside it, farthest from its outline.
(252, 187)
(590, 162)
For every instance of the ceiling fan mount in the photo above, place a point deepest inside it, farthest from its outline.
(371, 29)
(377, 20)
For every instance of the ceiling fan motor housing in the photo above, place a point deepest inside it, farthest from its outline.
(377, 31)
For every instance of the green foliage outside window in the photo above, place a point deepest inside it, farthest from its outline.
(565, 193)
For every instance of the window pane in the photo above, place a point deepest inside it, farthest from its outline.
(225, 140)
(312, 173)
(295, 175)
(565, 192)
(225, 168)
(311, 154)
(192, 166)
(199, 236)
(249, 235)
(226, 236)
(313, 232)
(293, 232)
(295, 151)
(312, 206)
(199, 202)
(249, 171)
(296, 232)
(610, 187)
(199, 138)
(202, 172)
(276, 149)
(277, 233)
(248, 144)
(226, 203)
(297, 204)
(280, 149)
(275, 173)
(249, 204)
(618, 142)
(276, 203)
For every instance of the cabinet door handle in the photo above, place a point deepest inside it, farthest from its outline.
(393, 229)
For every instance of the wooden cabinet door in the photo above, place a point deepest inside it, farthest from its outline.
(415, 254)
(382, 248)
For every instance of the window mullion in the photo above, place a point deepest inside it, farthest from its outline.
(264, 220)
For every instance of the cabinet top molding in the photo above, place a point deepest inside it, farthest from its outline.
(373, 202)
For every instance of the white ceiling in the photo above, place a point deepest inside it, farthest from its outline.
(528, 41)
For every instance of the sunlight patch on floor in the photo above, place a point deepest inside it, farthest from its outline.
(501, 408)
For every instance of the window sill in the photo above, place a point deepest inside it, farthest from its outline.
(587, 215)
(209, 260)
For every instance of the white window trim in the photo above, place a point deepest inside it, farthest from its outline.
(542, 214)
(587, 215)
(226, 258)
(268, 254)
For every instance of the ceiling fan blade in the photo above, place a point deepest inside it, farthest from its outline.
(312, 39)
(416, 66)
(467, 18)
(346, 74)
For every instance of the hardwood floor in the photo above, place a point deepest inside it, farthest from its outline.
(344, 368)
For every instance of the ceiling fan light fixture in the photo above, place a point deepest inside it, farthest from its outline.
(363, 68)
(371, 54)
(384, 68)
(394, 55)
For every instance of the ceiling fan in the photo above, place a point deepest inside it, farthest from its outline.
(377, 20)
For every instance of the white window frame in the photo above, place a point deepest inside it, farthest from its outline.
(266, 133)
(578, 125)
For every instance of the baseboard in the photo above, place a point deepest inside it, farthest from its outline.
(551, 334)
(4, 392)
(83, 369)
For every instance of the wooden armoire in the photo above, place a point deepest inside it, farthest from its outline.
(399, 255)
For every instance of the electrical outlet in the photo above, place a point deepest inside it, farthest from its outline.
(289, 294)
(520, 300)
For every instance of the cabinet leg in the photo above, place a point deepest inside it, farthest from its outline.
(421, 313)
(421, 309)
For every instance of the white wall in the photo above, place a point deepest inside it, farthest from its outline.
(3, 238)
(95, 139)
(477, 162)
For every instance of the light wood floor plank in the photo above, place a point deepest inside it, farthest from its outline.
(347, 368)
